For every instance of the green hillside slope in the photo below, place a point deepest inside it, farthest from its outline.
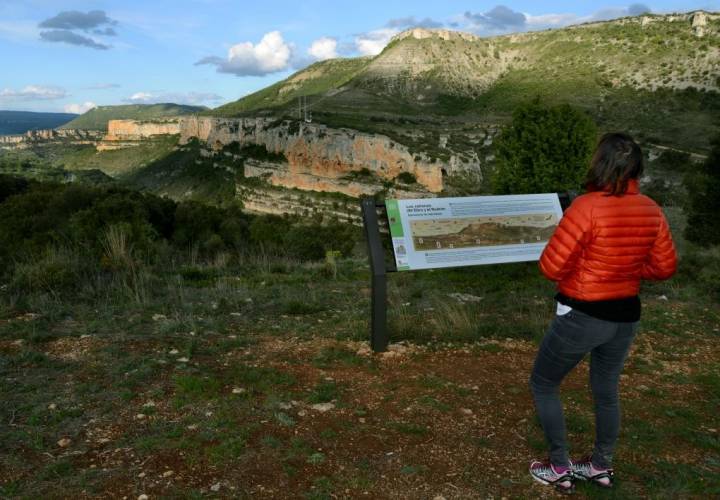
(97, 118)
(657, 76)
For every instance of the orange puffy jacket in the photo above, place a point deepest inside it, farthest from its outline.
(604, 245)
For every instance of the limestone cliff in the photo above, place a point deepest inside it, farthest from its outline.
(317, 157)
(39, 137)
(125, 133)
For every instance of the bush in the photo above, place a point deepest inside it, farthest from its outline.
(10, 185)
(59, 270)
(703, 186)
(544, 149)
(406, 178)
(676, 161)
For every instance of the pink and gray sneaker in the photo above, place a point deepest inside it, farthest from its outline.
(560, 477)
(586, 471)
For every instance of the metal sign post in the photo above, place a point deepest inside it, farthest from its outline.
(379, 337)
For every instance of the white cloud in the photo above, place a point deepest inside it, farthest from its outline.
(373, 42)
(323, 48)
(33, 93)
(79, 108)
(544, 21)
(191, 98)
(141, 97)
(270, 55)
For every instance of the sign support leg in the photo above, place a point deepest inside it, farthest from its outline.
(379, 338)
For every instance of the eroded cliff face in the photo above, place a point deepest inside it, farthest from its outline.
(318, 157)
(127, 133)
(48, 136)
(308, 156)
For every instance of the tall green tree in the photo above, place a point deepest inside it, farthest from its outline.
(543, 149)
(703, 207)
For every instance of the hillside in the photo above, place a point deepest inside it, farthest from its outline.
(630, 73)
(97, 118)
(19, 122)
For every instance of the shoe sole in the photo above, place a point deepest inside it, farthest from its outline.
(569, 490)
(589, 479)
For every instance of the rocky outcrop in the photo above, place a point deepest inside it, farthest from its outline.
(128, 133)
(319, 158)
(699, 23)
(39, 137)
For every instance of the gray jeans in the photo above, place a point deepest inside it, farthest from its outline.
(569, 338)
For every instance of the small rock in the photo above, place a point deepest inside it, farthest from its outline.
(239, 390)
(236, 314)
(143, 497)
(174, 352)
(52, 406)
(183, 360)
(643, 388)
(284, 406)
(323, 407)
(149, 404)
(64, 442)
(362, 420)
(208, 414)
(466, 411)
(464, 297)
(663, 297)
(215, 487)
(140, 416)
(168, 473)
(302, 413)
(439, 497)
(192, 427)
(158, 317)
(141, 475)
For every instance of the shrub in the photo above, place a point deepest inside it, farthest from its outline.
(677, 161)
(406, 178)
(703, 207)
(543, 149)
(10, 185)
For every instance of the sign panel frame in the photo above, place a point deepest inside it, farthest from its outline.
(431, 233)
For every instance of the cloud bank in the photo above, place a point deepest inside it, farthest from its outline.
(79, 109)
(323, 48)
(64, 27)
(190, 98)
(33, 93)
(270, 55)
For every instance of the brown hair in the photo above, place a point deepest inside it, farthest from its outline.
(617, 159)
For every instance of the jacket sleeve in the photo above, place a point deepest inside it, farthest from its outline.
(661, 262)
(567, 242)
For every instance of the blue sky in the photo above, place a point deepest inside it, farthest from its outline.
(68, 55)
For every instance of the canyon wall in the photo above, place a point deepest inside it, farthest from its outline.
(310, 156)
(318, 157)
(128, 133)
(39, 137)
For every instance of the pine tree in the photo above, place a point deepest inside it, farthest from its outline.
(544, 149)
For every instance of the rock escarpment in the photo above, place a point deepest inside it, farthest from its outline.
(305, 156)
(39, 137)
(319, 158)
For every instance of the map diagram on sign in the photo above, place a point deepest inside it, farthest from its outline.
(442, 234)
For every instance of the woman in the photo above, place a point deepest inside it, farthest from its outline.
(607, 241)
